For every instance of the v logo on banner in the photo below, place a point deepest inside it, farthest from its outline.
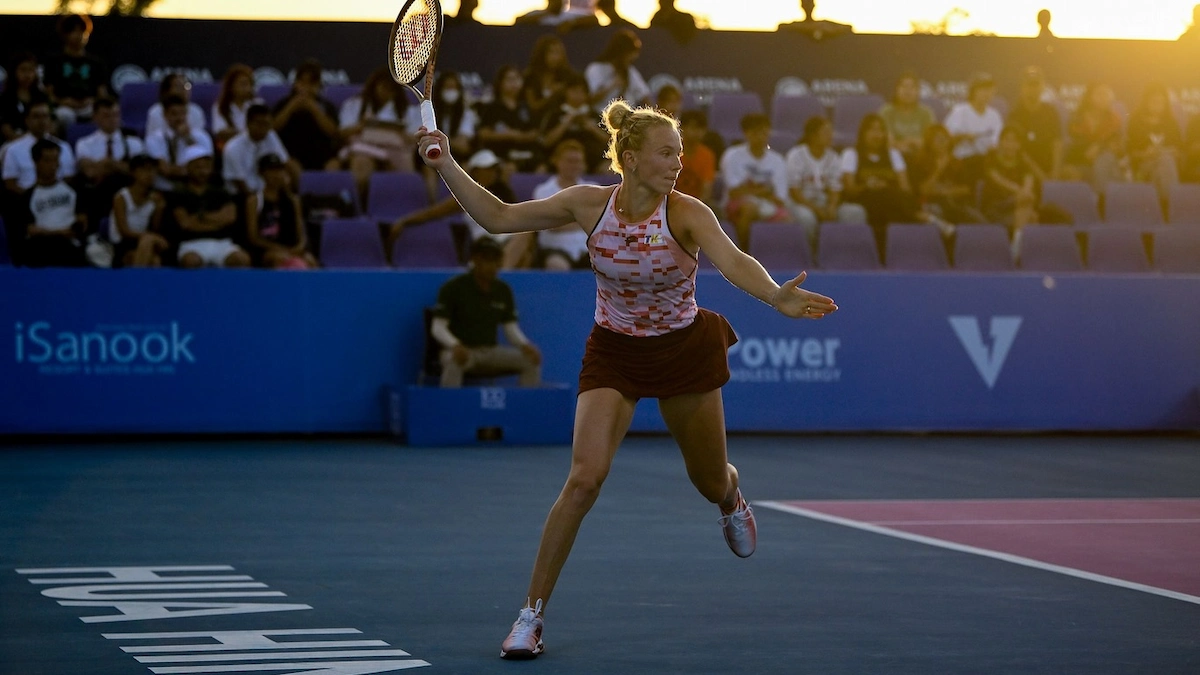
(989, 363)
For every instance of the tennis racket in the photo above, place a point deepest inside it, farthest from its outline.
(412, 49)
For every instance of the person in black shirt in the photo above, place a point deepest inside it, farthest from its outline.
(506, 125)
(571, 117)
(1154, 142)
(22, 90)
(307, 123)
(470, 308)
(681, 25)
(1040, 123)
(204, 217)
(74, 78)
(274, 224)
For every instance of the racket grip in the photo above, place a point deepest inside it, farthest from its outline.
(430, 123)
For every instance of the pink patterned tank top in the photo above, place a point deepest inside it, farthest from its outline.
(645, 281)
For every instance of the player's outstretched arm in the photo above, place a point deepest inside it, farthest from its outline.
(745, 272)
(492, 214)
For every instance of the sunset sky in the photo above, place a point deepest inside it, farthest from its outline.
(1072, 18)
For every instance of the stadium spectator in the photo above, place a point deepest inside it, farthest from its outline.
(612, 75)
(681, 25)
(135, 222)
(22, 89)
(506, 125)
(466, 13)
(456, 118)
(975, 125)
(572, 118)
(546, 75)
(19, 168)
(906, 117)
(1011, 188)
(669, 99)
(564, 248)
(1039, 122)
(1043, 19)
(74, 78)
(755, 178)
(168, 144)
(204, 216)
(242, 154)
(814, 28)
(699, 161)
(1154, 141)
(307, 122)
(939, 181)
(486, 168)
(275, 230)
(54, 227)
(376, 132)
(814, 171)
(178, 85)
(103, 158)
(608, 8)
(1094, 150)
(1191, 153)
(469, 309)
(874, 176)
(234, 99)
(566, 16)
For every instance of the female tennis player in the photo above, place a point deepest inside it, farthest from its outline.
(650, 338)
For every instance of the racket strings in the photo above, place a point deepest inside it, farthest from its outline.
(414, 43)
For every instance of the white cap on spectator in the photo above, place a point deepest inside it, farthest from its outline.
(482, 160)
(192, 153)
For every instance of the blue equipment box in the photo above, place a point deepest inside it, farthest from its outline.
(493, 415)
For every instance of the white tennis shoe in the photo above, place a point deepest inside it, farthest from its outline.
(524, 641)
(741, 533)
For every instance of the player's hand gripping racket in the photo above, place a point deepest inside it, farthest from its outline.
(412, 49)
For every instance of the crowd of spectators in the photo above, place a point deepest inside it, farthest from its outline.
(218, 187)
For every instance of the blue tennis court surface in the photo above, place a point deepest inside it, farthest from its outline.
(362, 556)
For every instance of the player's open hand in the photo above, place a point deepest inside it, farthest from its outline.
(793, 301)
(427, 139)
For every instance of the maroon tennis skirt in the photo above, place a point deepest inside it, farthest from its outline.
(690, 360)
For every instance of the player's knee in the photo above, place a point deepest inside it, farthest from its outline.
(237, 259)
(583, 487)
(191, 261)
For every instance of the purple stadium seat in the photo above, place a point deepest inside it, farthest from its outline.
(848, 113)
(351, 243)
(790, 113)
(338, 93)
(982, 248)
(726, 111)
(136, 100)
(1177, 250)
(780, 247)
(1116, 249)
(272, 94)
(1133, 204)
(848, 247)
(426, 245)
(1075, 197)
(524, 183)
(330, 184)
(1185, 204)
(77, 131)
(1049, 248)
(608, 178)
(392, 194)
(204, 94)
(938, 106)
(915, 248)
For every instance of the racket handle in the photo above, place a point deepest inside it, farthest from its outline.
(430, 122)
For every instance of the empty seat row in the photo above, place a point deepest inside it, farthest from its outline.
(1126, 204)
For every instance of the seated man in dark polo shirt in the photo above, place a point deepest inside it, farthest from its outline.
(469, 309)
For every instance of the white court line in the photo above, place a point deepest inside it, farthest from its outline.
(1077, 521)
(963, 548)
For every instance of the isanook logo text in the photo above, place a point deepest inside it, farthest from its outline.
(155, 349)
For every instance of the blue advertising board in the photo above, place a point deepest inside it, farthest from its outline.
(90, 351)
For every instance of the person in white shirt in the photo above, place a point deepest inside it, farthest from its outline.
(53, 227)
(242, 152)
(975, 126)
(756, 180)
(136, 217)
(377, 127)
(169, 144)
(19, 169)
(564, 248)
(235, 98)
(103, 157)
(612, 75)
(174, 84)
(815, 180)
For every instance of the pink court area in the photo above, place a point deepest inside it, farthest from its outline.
(1155, 542)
